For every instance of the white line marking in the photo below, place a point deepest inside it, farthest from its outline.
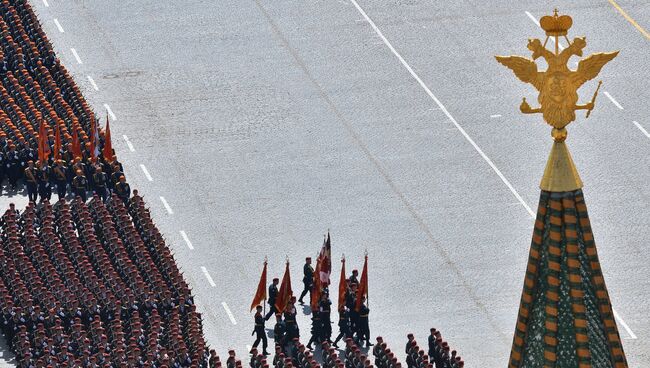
(207, 276)
(249, 348)
(532, 17)
(92, 83)
(495, 116)
(187, 240)
(110, 112)
(625, 326)
(642, 129)
(45, 2)
(76, 56)
(444, 109)
(164, 202)
(613, 100)
(146, 172)
(58, 25)
(229, 313)
(128, 143)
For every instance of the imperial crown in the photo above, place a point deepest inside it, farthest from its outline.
(555, 25)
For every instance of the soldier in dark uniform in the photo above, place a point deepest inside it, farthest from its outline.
(316, 331)
(79, 184)
(259, 330)
(115, 176)
(307, 280)
(60, 178)
(44, 183)
(364, 327)
(279, 331)
(410, 346)
(31, 181)
(3, 170)
(354, 280)
(123, 190)
(99, 181)
(325, 310)
(290, 320)
(273, 294)
(13, 166)
(344, 326)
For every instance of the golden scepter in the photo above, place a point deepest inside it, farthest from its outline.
(593, 99)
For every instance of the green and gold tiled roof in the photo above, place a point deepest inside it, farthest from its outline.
(565, 317)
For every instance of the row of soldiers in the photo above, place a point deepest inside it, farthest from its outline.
(353, 323)
(102, 179)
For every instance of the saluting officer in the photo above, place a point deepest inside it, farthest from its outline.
(307, 279)
(259, 330)
(31, 181)
(273, 294)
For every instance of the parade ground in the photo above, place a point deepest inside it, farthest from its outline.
(252, 127)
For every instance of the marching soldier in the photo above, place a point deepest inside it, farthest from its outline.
(344, 327)
(364, 327)
(316, 331)
(79, 184)
(354, 280)
(290, 320)
(123, 190)
(259, 331)
(273, 294)
(115, 176)
(31, 182)
(325, 308)
(61, 179)
(279, 331)
(44, 184)
(307, 280)
(99, 180)
(13, 165)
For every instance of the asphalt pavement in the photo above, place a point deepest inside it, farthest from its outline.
(253, 126)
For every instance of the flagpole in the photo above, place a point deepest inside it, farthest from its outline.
(367, 286)
(265, 296)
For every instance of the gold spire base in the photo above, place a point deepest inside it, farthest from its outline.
(560, 174)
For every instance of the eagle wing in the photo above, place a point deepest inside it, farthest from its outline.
(524, 69)
(589, 67)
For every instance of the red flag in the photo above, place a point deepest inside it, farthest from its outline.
(285, 293)
(76, 146)
(316, 287)
(260, 294)
(107, 152)
(362, 290)
(57, 143)
(43, 147)
(325, 257)
(94, 139)
(343, 286)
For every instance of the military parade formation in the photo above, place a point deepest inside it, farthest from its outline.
(88, 280)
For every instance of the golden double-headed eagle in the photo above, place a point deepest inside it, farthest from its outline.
(558, 85)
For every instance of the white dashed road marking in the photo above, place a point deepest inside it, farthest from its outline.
(164, 202)
(642, 129)
(187, 240)
(128, 143)
(76, 56)
(443, 109)
(45, 3)
(625, 326)
(495, 116)
(229, 313)
(146, 172)
(207, 276)
(92, 83)
(613, 100)
(110, 112)
(58, 25)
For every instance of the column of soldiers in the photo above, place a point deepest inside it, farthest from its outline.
(352, 324)
(78, 176)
